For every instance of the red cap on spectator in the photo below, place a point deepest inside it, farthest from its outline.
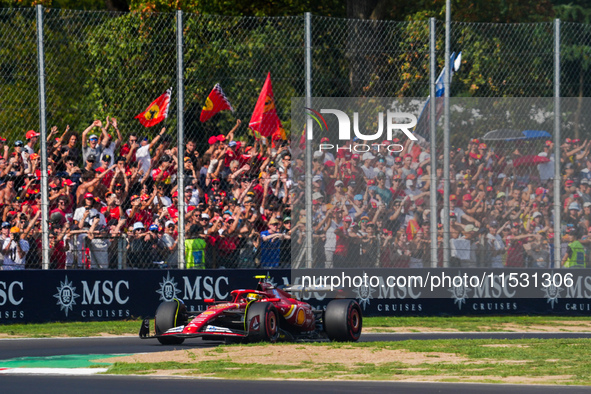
(30, 134)
(452, 197)
(489, 188)
(221, 138)
(134, 197)
(315, 202)
(34, 156)
(329, 163)
(475, 141)
(212, 140)
(482, 146)
(568, 141)
(247, 148)
(569, 183)
(238, 145)
(324, 139)
(347, 219)
(540, 190)
(419, 171)
(396, 176)
(467, 197)
(548, 143)
(97, 199)
(440, 191)
(354, 156)
(576, 141)
(396, 140)
(411, 176)
(88, 195)
(2, 139)
(68, 182)
(371, 182)
(144, 197)
(175, 194)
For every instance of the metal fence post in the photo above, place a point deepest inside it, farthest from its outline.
(446, 172)
(308, 195)
(120, 254)
(180, 140)
(433, 114)
(43, 137)
(557, 176)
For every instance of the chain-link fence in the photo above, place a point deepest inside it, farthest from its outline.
(243, 191)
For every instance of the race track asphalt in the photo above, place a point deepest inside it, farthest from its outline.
(44, 347)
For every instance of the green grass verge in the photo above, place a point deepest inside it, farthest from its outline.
(460, 323)
(474, 323)
(548, 361)
(72, 329)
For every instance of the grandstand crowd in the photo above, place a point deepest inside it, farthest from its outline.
(113, 203)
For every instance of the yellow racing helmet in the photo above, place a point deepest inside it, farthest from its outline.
(253, 297)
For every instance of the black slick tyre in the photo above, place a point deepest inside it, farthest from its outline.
(168, 315)
(262, 322)
(343, 320)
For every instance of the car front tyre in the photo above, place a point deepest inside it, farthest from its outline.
(343, 320)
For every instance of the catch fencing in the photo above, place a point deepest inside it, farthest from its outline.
(106, 64)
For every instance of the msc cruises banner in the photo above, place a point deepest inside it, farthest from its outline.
(43, 296)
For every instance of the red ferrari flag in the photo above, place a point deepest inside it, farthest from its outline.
(216, 102)
(156, 112)
(264, 118)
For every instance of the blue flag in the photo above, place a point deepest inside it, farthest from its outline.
(423, 124)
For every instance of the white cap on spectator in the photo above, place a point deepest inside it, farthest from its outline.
(205, 216)
(317, 153)
(317, 196)
(316, 178)
(536, 214)
(501, 175)
(575, 206)
(168, 223)
(339, 183)
(138, 226)
(543, 154)
(409, 183)
(587, 204)
(368, 156)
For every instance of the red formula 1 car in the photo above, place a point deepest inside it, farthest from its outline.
(264, 314)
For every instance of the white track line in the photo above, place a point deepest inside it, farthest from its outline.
(52, 371)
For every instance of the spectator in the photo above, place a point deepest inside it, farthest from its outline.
(271, 245)
(14, 249)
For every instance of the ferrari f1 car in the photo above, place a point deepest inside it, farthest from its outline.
(266, 314)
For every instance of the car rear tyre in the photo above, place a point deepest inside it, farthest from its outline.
(168, 315)
(262, 322)
(343, 320)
